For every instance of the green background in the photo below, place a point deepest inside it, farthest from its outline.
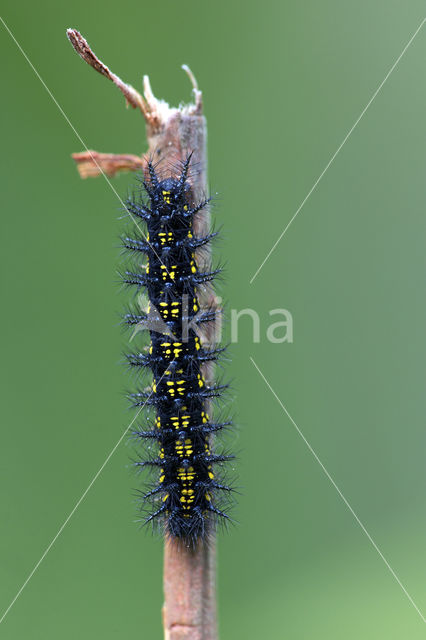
(283, 83)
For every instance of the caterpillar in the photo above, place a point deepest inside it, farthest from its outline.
(187, 496)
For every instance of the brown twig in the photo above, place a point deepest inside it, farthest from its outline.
(189, 611)
(91, 163)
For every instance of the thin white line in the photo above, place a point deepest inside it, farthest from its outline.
(78, 136)
(95, 477)
(131, 423)
(60, 109)
(339, 147)
(340, 493)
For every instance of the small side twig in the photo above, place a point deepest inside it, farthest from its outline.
(91, 163)
(189, 611)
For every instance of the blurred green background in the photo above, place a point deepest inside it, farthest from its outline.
(283, 83)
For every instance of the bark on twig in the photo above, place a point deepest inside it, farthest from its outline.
(189, 611)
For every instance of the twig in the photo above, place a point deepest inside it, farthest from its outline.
(189, 611)
(91, 163)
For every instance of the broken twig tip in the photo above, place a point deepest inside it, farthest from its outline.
(83, 49)
(197, 93)
(147, 90)
(190, 76)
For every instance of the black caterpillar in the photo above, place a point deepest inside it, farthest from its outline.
(185, 496)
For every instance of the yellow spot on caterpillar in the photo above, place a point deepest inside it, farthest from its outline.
(211, 475)
(178, 349)
(208, 497)
(162, 478)
(166, 197)
(165, 497)
(186, 476)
